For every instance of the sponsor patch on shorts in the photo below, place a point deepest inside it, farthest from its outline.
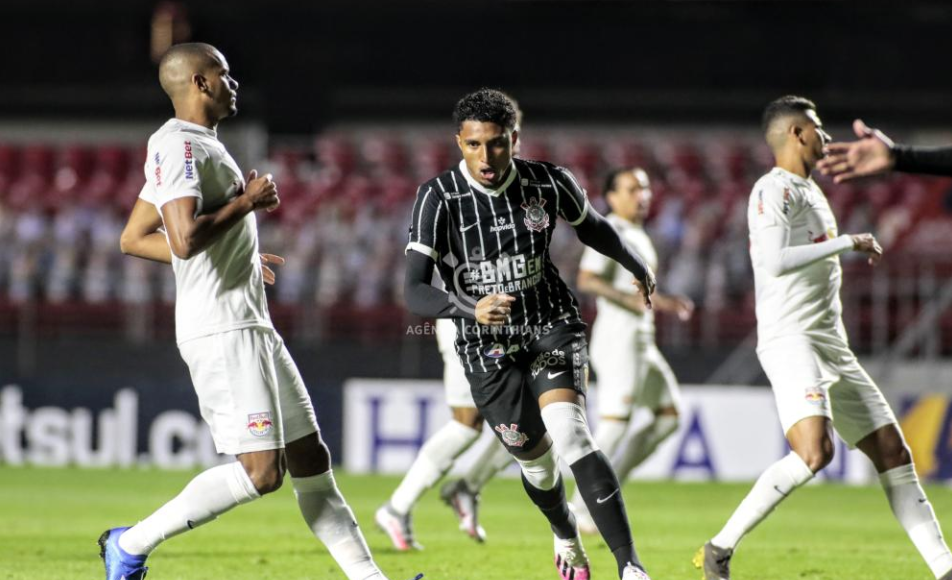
(259, 424)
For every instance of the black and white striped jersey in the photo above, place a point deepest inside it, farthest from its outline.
(488, 241)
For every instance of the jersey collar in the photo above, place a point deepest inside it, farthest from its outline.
(793, 176)
(193, 128)
(483, 189)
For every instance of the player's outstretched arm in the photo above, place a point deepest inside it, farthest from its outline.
(592, 283)
(874, 154)
(597, 233)
(871, 154)
(779, 258)
(141, 236)
(680, 306)
(189, 234)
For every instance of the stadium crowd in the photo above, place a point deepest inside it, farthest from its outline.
(346, 198)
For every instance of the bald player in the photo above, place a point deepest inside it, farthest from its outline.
(249, 389)
(802, 345)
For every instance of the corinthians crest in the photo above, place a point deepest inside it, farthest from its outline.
(511, 435)
(536, 219)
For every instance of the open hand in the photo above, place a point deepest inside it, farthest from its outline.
(647, 286)
(870, 155)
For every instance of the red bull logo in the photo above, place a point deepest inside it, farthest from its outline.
(815, 395)
(259, 424)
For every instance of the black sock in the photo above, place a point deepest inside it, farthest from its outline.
(602, 494)
(552, 504)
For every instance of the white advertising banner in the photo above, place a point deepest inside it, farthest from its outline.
(727, 433)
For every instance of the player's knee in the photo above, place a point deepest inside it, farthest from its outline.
(541, 472)
(468, 416)
(568, 427)
(267, 479)
(817, 457)
(894, 453)
(666, 423)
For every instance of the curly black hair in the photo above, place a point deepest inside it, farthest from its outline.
(784, 106)
(487, 106)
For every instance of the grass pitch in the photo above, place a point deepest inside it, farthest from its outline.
(51, 519)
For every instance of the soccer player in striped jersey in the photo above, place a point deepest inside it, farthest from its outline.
(486, 225)
(802, 345)
(440, 451)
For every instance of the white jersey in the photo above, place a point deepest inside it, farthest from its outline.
(806, 301)
(613, 319)
(222, 288)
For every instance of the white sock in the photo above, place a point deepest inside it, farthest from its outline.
(494, 458)
(914, 512)
(434, 460)
(771, 488)
(543, 471)
(568, 428)
(332, 521)
(210, 494)
(642, 443)
(607, 436)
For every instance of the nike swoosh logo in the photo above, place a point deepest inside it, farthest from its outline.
(552, 376)
(190, 524)
(601, 500)
(464, 228)
(777, 489)
(923, 500)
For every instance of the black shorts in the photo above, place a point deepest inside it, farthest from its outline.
(509, 398)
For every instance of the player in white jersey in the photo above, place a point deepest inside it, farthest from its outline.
(632, 372)
(802, 346)
(249, 390)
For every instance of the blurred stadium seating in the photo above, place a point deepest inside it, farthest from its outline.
(346, 196)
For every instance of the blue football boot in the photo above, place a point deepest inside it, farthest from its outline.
(119, 564)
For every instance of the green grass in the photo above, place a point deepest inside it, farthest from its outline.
(50, 520)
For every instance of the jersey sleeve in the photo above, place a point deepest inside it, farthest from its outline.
(175, 169)
(774, 205)
(147, 194)
(573, 201)
(428, 224)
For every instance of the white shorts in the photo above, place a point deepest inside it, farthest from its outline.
(458, 393)
(820, 380)
(249, 390)
(633, 373)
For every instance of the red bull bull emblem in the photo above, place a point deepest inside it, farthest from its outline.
(511, 435)
(259, 424)
(815, 395)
